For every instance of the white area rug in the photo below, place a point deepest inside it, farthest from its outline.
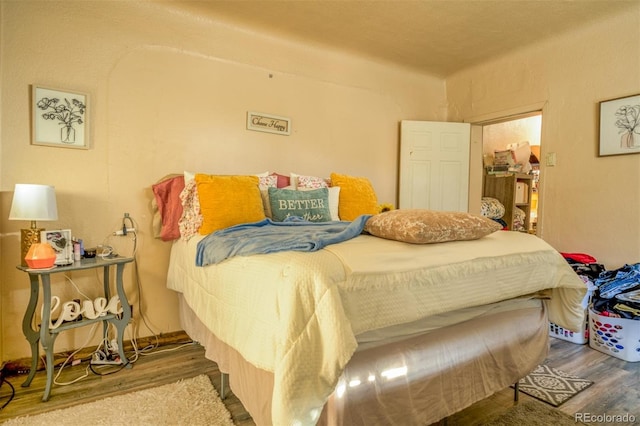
(192, 402)
(534, 414)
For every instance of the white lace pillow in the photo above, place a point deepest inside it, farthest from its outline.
(519, 217)
(308, 182)
(420, 226)
(191, 218)
(491, 208)
(266, 182)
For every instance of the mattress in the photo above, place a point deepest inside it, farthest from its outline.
(395, 333)
(297, 314)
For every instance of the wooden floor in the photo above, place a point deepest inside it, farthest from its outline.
(616, 389)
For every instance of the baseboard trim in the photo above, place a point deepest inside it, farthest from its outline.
(23, 365)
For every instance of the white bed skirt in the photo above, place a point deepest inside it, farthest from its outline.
(418, 380)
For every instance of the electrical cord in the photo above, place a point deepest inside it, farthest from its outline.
(70, 357)
(134, 355)
(95, 367)
(129, 227)
(129, 219)
(76, 287)
(105, 355)
(3, 380)
(181, 345)
(91, 367)
(140, 307)
(13, 392)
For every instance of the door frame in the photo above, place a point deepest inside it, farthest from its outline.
(476, 166)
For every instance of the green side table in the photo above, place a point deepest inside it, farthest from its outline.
(47, 336)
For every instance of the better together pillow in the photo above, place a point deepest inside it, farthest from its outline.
(420, 226)
(312, 205)
(334, 201)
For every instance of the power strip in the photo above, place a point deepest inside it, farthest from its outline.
(106, 362)
(124, 231)
(99, 358)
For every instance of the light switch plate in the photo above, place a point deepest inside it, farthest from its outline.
(551, 159)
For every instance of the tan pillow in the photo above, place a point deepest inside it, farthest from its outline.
(228, 200)
(420, 226)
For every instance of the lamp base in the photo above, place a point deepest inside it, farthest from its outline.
(28, 236)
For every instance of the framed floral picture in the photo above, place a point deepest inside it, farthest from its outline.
(59, 118)
(620, 126)
(62, 244)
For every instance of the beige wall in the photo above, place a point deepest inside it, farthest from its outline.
(497, 137)
(589, 204)
(170, 92)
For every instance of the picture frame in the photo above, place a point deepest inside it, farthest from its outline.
(269, 123)
(620, 126)
(60, 240)
(59, 118)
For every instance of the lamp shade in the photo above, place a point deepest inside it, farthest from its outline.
(34, 202)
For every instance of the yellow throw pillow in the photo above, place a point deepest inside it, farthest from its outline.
(357, 196)
(228, 200)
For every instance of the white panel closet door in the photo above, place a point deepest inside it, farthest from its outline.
(434, 165)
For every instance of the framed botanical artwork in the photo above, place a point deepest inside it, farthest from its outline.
(61, 242)
(620, 126)
(59, 118)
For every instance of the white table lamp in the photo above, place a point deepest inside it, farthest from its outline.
(32, 202)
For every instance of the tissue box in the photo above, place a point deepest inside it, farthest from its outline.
(522, 193)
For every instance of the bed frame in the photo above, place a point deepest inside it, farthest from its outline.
(418, 380)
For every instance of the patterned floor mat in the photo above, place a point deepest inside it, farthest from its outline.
(551, 385)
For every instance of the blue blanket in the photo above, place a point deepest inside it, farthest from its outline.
(268, 236)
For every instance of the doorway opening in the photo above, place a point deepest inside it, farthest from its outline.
(511, 157)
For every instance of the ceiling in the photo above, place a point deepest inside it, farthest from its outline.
(438, 37)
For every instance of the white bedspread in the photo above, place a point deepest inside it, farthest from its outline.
(296, 314)
(414, 281)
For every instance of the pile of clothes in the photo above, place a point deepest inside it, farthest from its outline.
(614, 293)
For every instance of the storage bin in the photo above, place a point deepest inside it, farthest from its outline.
(577, 337)
(618, 337)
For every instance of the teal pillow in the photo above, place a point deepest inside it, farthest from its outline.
(310, 205)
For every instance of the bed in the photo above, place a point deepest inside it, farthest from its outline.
(373, 329)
